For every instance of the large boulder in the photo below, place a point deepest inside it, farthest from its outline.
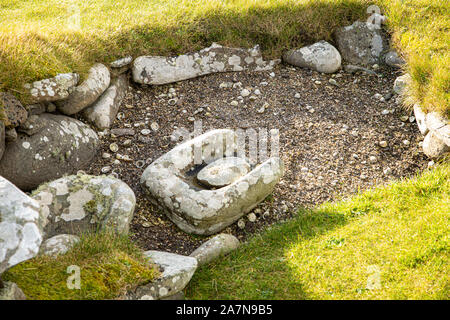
(162, 70)
(81, 203)
(392, 59)
(53, 89)
(201, 210)
(320, 56)
(103, 112)
(20, 226)
(177, 271)
(87, 92)
(14, 112)
(361, 43)
(57, 145)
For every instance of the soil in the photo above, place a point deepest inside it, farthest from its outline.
(328, 133)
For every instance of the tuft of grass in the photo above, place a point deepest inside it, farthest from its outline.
(387, 243)
(110, 265)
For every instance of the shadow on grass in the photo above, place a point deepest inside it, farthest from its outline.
(259, 269)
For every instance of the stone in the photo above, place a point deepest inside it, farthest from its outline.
(216, 58)
(223, 172)
(2, 139)
(198, 210)
(443, 133)
(14, 112)
(81, 203)
(36, 109)
(104, 111)
(53, 89)
(350, 68)
(215, 247)
(435, 121)
(58, 245)
(121, 62)
(433, 146)
(20, 226)
(401, 83)
(320, 56)
(420, 119)
(361, 44)
(11, 291)
(87, 92)
(177, 271)
(63, 146)
(10, 135)
(392, 59)
(123, 132)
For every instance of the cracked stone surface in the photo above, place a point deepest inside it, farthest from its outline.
(223, 172)
(103, 112)
(216, 58)
(20, 226)
(80, 203)
(215, 247)
(62, 145)
(320, 56)
(176, 274)
(361, 44)
(53, 89)
(199, 211)
(59, 244)
(88, 92)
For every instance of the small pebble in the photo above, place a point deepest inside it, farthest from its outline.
(383, 144)
(241, 224)
(251, 217)
(406, 142)
(373, 159)
(106, 169)
(154, 126)
(114, 147)
(145, 132)
(234, 103)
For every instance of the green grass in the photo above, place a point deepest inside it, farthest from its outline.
(387, 243)
(37, 39)
(109, 266)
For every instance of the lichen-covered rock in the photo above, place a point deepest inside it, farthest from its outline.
(392, 59)
(361, 43)
(103, 112)
(62, 145)
(87, 92)
(53, 89)
(80, 203)
(203, 211)
(122, 62)
(420, 119)
(20, 226)
(223, 172)
(177, 271)
(11, 291)
(401, 83)
(15, 113)
(320, 56)
(59, 244)
(215, 247)
(162, 70)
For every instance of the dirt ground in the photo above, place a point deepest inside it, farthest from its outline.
(330, 134)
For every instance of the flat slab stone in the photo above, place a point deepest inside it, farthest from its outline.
(177, 271)
(163, 70)
(200, 211)
(20, 226)
(223, 172)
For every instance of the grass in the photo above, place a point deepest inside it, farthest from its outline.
(387, 243)
(40, 38)
(109, 264)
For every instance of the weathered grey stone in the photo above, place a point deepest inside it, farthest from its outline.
(176, 274)
(215, 247)
(36, 109)
(103, 112)
(434, 146)
(80, 203)
(87, 92)
(10, 135)
(53, 89)
(392, 59)
(361, 43)
(223, 172)
(202, 211)
(435, 121)
(401, 83)
(420, 119)
(11, 291)
(15, 113)
(119, 132)
(320, 56)
(20, 226)
(59, 244)
(2, 139)
(443, 133)
(33, 125)
(350, 68)
(63, 146)
(122, 62)
(162, 70)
